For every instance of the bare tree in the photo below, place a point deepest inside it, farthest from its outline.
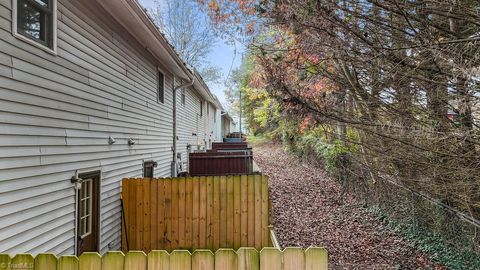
(189, 30)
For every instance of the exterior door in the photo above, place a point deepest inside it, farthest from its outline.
(88, 214)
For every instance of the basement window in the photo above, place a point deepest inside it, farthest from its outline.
(34, 21)
(161, 87)
(149, 169)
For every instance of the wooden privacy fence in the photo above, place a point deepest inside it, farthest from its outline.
(195, 213)
(223, 259)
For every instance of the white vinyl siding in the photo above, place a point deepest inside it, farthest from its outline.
(56, 115)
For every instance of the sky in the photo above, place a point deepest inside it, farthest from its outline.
(224, 56)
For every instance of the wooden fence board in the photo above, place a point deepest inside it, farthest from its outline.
(237, 200)
(209, 244)
(265, 213)
(223, 211)
(230, 210)
(271, 259)
(174, 240)
(316, 259)
(293, 259)
(202, 234)
(180, 260)
(135, 260)
(181, 213)
(45, 261)
(244, 210)
(67, 263)
(224, 259)
(113, 260)
(22, 262)
(216, 213)
(203, 260)
(188, 212)
(146, 186)
(158, 260)
(195, 213)
(168, 214)
(251, 211)
(90, 261)
(248, 259)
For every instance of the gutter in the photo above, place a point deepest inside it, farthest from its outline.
(175, 89)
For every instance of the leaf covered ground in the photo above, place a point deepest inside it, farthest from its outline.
(310, 210)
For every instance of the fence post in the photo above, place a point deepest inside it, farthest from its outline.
(45, 261)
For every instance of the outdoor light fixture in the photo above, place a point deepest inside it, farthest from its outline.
(131, 142)
(111, 140)
(77, 181)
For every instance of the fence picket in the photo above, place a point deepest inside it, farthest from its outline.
(225, 259)
(46, 261)
(251, 211)
(293, 259)
(230, 214)
(153, 214)
(181, 213)
(196, 214)
(158, 260)
(168, 214)
(135, 260)
(174, 239)
(265, 213)
(216, 212)
(210, 231)
(316, 259)
(203, 260)
(5, 261)
(22, 262)
(188, 212)
(258, 212)
(67, 263)
(244, 211)
(223, 211)
(248, 259)
(180, 260)
(202, 223)
(271, 259)
(237, 200)
(113, 260)
(90, 261)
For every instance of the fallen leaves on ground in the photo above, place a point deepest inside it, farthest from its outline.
(310, 210)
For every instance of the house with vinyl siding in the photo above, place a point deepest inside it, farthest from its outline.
(90, 92)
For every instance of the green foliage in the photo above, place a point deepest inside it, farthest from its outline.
(431, 244)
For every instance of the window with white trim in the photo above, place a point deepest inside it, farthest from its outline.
(35, 21)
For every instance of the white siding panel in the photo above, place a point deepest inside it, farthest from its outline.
(56, 115)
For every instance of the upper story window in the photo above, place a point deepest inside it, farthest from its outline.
(183, 97)
(35, 22)
(201, 108)
(161, 87)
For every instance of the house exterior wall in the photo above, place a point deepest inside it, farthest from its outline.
(56, 115)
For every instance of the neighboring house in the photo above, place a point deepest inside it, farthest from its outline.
(88, 90)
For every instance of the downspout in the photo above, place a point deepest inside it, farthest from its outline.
(175, 88)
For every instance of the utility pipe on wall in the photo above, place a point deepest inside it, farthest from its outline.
(175, 88)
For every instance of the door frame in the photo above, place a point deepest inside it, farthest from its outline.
(97, 174)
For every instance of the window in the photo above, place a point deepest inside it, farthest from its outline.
(161, 87)
(149, 169)
(183, 97)
(215, 116)
(86, 208)
(208, 109)
(35, 21)
(201, 108)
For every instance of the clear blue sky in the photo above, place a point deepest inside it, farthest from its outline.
(221, 56)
